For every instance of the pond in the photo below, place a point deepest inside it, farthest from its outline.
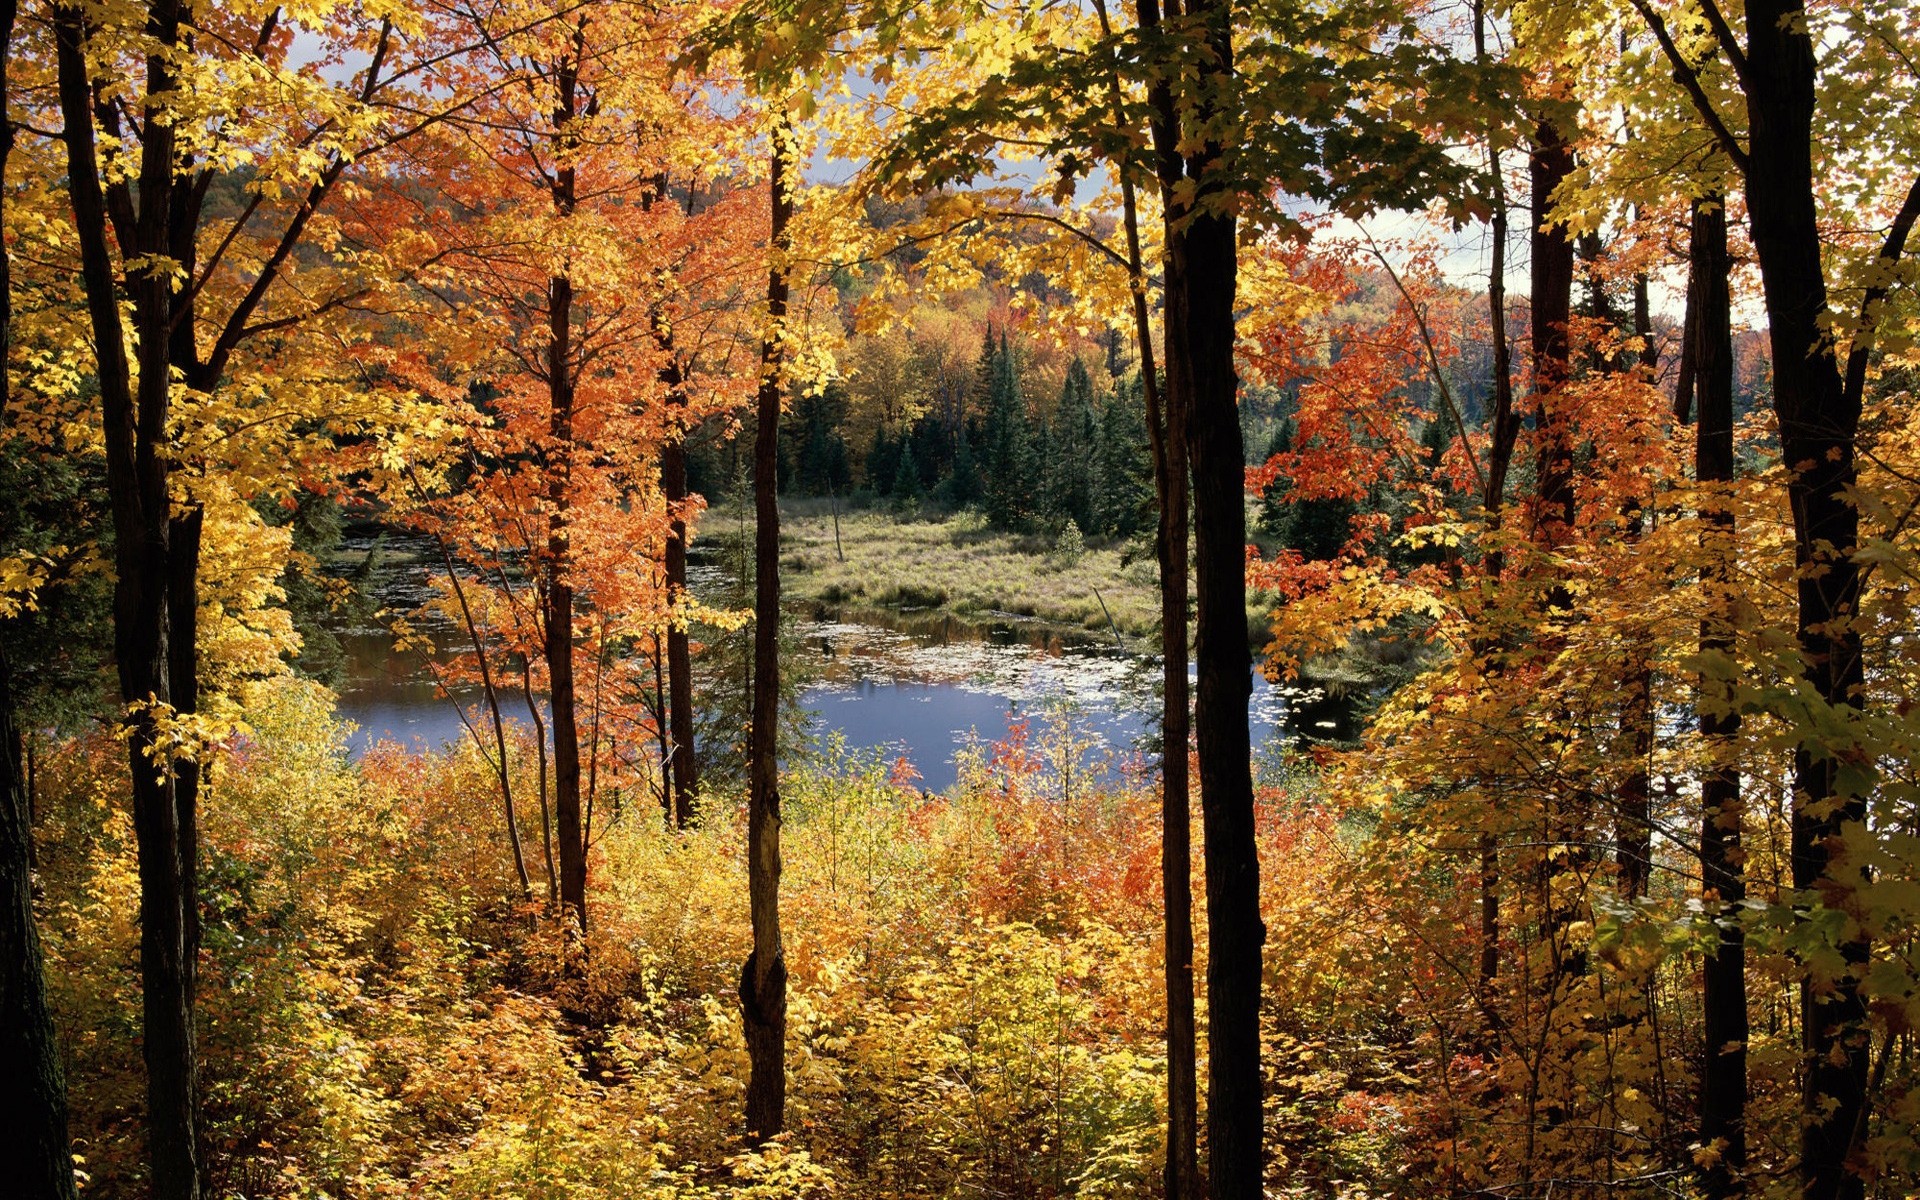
(914, 685)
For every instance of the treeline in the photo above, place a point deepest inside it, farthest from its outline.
(1028, 466)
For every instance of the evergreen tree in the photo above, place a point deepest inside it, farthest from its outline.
(818, 464)
(907, 484)
(1275, 512)
(883, 462)
(1122, 485)
(1011, 469)
(963, 486)
(1070, 451)
(931, 450)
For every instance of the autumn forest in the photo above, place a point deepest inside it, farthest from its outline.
(616, 600)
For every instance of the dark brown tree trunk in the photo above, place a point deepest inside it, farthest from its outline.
(673, 486)
(763, 978)
(1723, 1077)
(562, 696)
(135, 427)
(557, 620)
(1166, 426)
(1503, 424)
(1202, 387)
(1552, 306)
(1819, 419)
(33, 1092)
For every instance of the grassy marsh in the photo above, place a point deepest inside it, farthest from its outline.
(959, 565)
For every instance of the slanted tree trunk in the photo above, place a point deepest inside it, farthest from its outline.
(1723, 1077)
(1166, 428)
(763, 979)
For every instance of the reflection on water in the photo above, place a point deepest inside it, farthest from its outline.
(918, 685)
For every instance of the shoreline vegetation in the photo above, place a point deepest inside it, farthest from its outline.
(957, 564)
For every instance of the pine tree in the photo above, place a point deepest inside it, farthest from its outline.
(1122, 485)
(883, 462)
(1011, 469)
(907, 485)
(962, 487)
(1070, 450)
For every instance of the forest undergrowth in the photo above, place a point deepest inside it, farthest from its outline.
(974, 977)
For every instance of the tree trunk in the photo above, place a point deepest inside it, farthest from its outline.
(1633, 812)
(1166, 422)
(135, 427)
(1201, 272)
(763, 978)
(673, 486)
(1166, 428)
(1723, 1078)
(1552, 303)
(1819, 419)
(558, 617)
(33, 1093)
(1504, 425)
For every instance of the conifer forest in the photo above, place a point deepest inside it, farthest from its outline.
(980, 600)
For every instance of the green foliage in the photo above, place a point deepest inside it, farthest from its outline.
(1006, 435)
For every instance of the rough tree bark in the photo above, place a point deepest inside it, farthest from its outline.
(763, 978)
(33, 1093)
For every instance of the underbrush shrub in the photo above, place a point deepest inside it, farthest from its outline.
(974, 980)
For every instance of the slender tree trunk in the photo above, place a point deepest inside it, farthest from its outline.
(1723, 1078)
(33, 1092)
(673, 485)
(1819, 419)
(683, 768)
(763, 978)
(492, 694)
(1633, 818)
(562, 695)
(543, 790)
(1504, 426)
(1166, 428)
